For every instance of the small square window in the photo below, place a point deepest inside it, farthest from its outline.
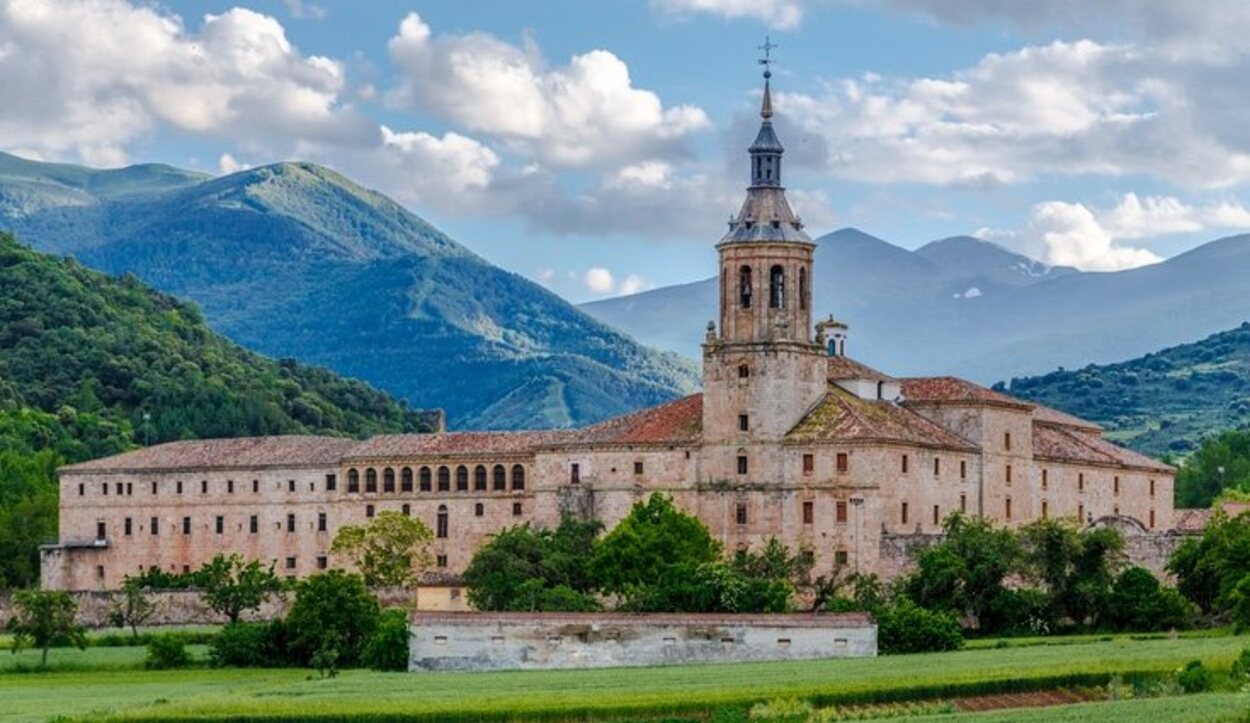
(637, 467)
(322, 562)
(332, 482)
(440, 560)
(840, 557)
(479, 509)
(290, 563)
(406, 509)
(516, 509)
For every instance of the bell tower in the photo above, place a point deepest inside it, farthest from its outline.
(762, 369)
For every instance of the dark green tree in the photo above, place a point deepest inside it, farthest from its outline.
(42, 618)
(1074, 568)
(1209, 569)
(524, 568)
(1221, 463)
(967, 571)
(231, 586)
(1138, 602)
(333, 617)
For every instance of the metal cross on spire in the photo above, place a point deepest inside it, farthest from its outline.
(767, 61)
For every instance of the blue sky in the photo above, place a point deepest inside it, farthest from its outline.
(598, 147)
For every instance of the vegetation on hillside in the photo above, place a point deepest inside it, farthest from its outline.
(1220, 468)
(92, 365)
(1160, 404)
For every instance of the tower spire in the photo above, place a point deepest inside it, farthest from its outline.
(766, 107)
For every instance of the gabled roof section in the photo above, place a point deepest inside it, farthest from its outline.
(844, 367)
(235, 453)
(677, 422)
(394, 446)
(953, 390)
(1063, 444)
(844, 417)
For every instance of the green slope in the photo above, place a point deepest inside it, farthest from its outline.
(1162, 403)
(296, 260)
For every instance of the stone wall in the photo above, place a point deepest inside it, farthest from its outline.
(534, 641)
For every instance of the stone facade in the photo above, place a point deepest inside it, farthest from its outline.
(791, 438)
(527, 641)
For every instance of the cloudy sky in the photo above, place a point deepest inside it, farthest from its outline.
(598, 147)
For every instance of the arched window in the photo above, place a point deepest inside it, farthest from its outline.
(744, 287)
(423, 478)
(405, 479)
(441, 526)
(479, 478)
(462, 479)
(388, 480)
(444, 479)
(501, 478)
(353, 480)
(744, 371)
(803, 288)
(777, 288)
(371, 480)
(518, 477)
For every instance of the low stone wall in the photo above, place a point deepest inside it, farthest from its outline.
(533, 641)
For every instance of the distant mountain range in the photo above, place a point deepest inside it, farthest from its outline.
(969, 307)
(294, 260)
(1162, 403)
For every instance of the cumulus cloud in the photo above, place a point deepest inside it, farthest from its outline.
(1092, 239)
(779, 14)
(599, 280)
(584, 113)
(1068, 108)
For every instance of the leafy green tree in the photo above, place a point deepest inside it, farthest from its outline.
(1076, 569)
(1138, 602)
(332, 619)
(652, 558)
(388, 646)
(132, 607)
(42, 618)
(966, 572)
(524, 568)
(392, 550)
(1210, 569)
(230, 586)
(905, 627)
(1221, 463)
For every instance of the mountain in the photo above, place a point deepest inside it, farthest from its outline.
(1162, 403)
(967, 307)
(294, 260)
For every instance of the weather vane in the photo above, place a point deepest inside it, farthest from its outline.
(767, 61)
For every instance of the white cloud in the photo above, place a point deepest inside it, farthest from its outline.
(1074, 234)
(779, 14)
(599, 280)
(633, 284)
(227, 164)
(305, 10)
(583, 113)
(1068, 108)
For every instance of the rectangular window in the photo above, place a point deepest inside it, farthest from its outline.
(904, 464)
(322, 562)
(516, 509)
(440, 560)
(82, 489)
(744, 423)
(255, 486)
(575, 473)
(937, 467)
(121, 489)
(1152, 488)
(440, 526)
(1008, 474)
(229, 486)
(369, 511)
(332, 483)
(1045, 478)
(153, 488)
(104, 488)
(809, 463)
(130, 488)
(127, 526)
(290, 563)
(1045, 510)
(903, 513)
(155, 526)
(321, 522)
(221, 524)
(203, 486)
(840, 557)
(1080, 482)
(963, 469)
(186, 525)
(840, 511)
(101, 530)
(290, 523)
(637, 467)
(741, 514)
(1152, 519)
(1007, 508)
(406, 509)
(479, 509)
(937, 515)
(253, 524)
(844, 462)
(178, 487)
(808, 513)
(1116, 485)
(963, 503)
(290, 485)
(1007, 441)
(742, 464)
(1080, 513)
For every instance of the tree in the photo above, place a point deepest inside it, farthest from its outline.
(651, 559)
(531, 569)
(231, 586)
(1220, 464)
(1210, 569)
(333, 617)
(965, 573)
(43, 617)
(905, 627)
(392, 550)
(1075, 569)
(388, 647)
(1139, 602)
(133, 608)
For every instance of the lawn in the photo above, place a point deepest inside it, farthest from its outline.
(1206, 708)
(291, 694)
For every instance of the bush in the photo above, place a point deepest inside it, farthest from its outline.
(250, 645)
(1194, 678)
(388, 646)
(331, 606)
(1140, 603)
(167, 651)
(1241, 667)
(905, 627)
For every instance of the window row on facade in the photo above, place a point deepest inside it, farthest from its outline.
(497, 478)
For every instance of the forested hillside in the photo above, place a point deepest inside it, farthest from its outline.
(91, 365)
(1162, 403)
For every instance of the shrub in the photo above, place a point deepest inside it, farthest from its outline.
(1139, 602)
(331, 606)
(1194, 677)
(905, 627)
(1241, 667)
(388, 646)
(167, 651)
(250, 645)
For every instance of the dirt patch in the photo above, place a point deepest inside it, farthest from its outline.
(1034, 699)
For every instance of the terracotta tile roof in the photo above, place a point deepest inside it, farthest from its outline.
(392, 446)
(791, 620)
(1063, 444)
(842, 416)
(1191, 520)
(844, 367)
(239, 452)
(1050, 415)
(677, 422)
(956, 390)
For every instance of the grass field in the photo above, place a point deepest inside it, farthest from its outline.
(208, 694)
